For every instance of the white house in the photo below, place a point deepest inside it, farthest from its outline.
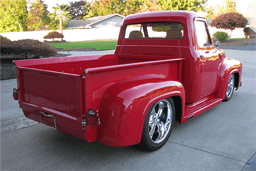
(113, 20)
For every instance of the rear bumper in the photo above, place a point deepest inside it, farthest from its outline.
(54, 119)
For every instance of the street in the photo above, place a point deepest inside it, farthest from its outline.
(222, 138)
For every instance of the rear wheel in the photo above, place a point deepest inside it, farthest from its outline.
(157, 125)
(230, 88)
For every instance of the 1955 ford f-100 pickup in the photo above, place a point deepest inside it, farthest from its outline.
(165, 68)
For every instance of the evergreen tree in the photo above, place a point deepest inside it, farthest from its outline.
(106, 7)
(150, 5)
(13, 15)
(37, 15)
(131, 7)
(188, 5)
(229, 6)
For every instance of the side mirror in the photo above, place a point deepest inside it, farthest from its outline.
(217, 43)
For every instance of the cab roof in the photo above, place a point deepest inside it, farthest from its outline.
(160, 16)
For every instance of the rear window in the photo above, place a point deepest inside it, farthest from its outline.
(168, 30)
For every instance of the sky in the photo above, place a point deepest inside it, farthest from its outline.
(243, 6)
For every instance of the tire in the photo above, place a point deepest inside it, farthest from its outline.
(230, 88)
(158, 125)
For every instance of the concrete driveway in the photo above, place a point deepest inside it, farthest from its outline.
(222, 138)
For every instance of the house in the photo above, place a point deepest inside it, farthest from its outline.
(114, 20)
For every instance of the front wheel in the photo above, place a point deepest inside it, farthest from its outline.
(157, 126)
(230, 88)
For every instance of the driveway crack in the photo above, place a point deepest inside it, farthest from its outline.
(209, 152)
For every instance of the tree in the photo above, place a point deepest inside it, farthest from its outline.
(150, 5)
(60, 11)
(188, 5)
(210, 12)
(79, 9)
(131, 7)
(230, 20)
(106, 7)
(13, 15)
(37, 15)
(230, 6)
(54, 34)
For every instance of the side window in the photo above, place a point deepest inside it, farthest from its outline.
(202, 34)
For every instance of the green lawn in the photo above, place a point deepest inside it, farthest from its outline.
(97, 45)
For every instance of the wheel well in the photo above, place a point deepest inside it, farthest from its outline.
(236, 79)
(178, 107)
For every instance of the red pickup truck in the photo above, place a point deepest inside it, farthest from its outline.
(165, 68)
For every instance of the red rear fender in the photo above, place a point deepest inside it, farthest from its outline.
(124, 107)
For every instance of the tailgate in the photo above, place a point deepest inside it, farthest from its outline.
(52, 98)
(52, 90)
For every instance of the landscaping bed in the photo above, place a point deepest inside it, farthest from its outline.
(238, 42)
(8, 68)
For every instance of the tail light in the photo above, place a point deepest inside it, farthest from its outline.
(93, 117)
(15, 94)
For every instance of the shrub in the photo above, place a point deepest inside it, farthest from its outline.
(230, 20)
(26, 48)
(248, 32)
(219, 35)
(4, 39)
(54, 35)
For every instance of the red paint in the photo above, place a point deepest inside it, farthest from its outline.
(121, 87)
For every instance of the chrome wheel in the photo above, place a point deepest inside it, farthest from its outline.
(157, 126)
(160, 121)
(231, 86)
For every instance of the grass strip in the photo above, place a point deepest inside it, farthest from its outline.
(240, 39)
(97, 45)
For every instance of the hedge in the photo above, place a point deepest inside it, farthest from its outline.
(27, 47)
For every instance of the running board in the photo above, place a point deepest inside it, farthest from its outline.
(193, 110)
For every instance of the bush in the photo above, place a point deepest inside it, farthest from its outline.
(4, 39)
(219, 35)
(248, 32)
(54, 35)
(27, 48)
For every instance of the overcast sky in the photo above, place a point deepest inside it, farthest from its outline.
(243, 6)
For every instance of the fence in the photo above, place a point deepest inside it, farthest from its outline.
(93, 34)
(69, 35)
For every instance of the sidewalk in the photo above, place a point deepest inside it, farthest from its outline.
(83, 53)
